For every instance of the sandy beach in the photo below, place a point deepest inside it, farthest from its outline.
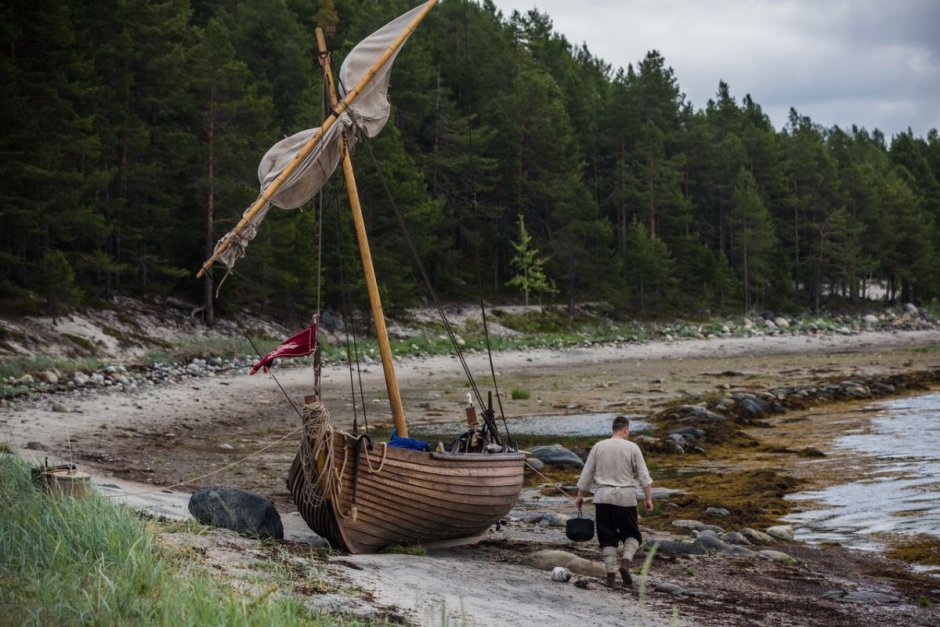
(164, 435)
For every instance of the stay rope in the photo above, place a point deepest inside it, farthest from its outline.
(289, 434)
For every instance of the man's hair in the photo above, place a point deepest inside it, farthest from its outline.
(620, 422)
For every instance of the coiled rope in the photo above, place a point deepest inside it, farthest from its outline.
(322, 481)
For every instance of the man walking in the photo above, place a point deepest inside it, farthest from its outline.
(612, 470)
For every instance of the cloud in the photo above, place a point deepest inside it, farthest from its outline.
(866, 62)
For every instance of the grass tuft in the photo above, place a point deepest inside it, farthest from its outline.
(86, 561)
(406, 549)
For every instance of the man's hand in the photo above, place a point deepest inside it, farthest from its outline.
(579, 500)
(649, 505)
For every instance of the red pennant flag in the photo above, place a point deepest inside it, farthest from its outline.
(299, 345)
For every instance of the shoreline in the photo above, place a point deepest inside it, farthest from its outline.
(160, 436)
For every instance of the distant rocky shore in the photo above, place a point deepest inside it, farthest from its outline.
(131, 374)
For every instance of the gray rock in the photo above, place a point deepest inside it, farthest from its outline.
(677, 438)
(239, 510)
(861, 596)
(59, 408)
(535, 463)
(36, 446)
(665, 493)
(692, 432)
(781, 532)
(671, 589)
(752, 406)
(706, 532)
(777, 556)
(717, 511)
(781, 322)
(712, 543)
(97, 378)
(757, 537)
(733, 537)
(648, 443)
(80, 379)
(549, 559)
(910, 308)
(871, 319)
(668, 547)
(695, 525)
(49, 377)
(557, 455)
(554, 520)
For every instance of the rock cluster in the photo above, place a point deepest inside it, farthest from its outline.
(714, 539)
(687, 427)
(118, 378)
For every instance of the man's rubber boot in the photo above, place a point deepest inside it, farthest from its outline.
(625, 573)
(611, 580)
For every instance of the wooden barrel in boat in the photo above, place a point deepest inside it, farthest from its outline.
(410, 497)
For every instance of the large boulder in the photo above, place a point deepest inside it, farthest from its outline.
(713, 544)
(757, 537)
(557, 455)
(239, 510)
(668, 547)
(781, 532)
(550, 559)
(695, 525)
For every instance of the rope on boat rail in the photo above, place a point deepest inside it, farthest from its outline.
(381, 464)
(552, 483)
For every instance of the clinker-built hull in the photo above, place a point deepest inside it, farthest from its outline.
(403, 496)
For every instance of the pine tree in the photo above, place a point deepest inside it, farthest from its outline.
(649, 269)
(529, 263)
(753, 236)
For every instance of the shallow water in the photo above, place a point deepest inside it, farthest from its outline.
(562, 425)
(902, 492)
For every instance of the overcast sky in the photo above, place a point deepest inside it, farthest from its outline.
(873, 63)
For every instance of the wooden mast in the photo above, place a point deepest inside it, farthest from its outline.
(307, 148)
(391, 383)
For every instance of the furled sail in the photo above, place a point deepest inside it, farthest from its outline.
(368, 113)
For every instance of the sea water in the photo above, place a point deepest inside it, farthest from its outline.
(901, 494)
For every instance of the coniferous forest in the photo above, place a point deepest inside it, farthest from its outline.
(133, 132)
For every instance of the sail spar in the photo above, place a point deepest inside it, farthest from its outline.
(367, 113)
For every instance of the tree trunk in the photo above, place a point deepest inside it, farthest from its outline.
(210, 213)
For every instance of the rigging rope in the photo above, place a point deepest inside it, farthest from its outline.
(271, 372)
(427, 281)
(352, 352)
(213, 472)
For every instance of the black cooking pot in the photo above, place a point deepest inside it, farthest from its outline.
(579, 529)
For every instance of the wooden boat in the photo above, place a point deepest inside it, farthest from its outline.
(363, 497)
(416, 497)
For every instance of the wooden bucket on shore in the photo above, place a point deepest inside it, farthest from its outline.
(72, 483)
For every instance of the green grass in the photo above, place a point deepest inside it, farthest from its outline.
(520, 395)
(402, 549)
(88, 562)
(20, 365)
(187, 349)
